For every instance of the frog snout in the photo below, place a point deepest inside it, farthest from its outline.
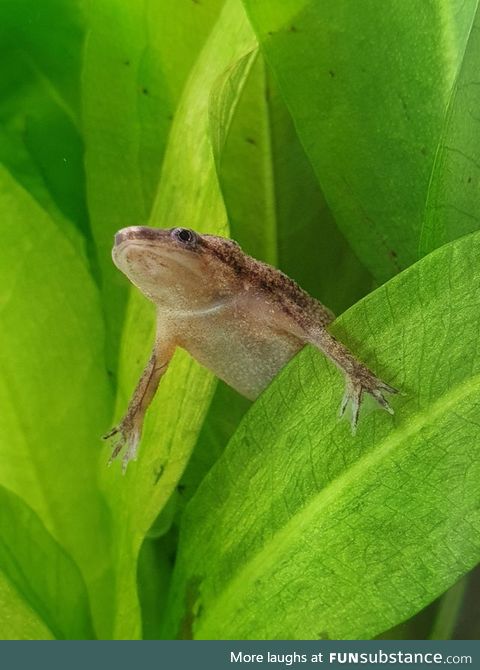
(136, 233)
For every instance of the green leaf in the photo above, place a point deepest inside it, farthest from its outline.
(39, 108)
(188, 192)
(367, 91)
(217, 429)
(27, 554)
(276, 209)
(50, 35)
(302, 530)
(202, 121)
(18, 621)
(132, 79)
(54, 391)
(155, 564)
(453, 198)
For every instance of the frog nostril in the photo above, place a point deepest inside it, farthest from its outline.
(119, 237)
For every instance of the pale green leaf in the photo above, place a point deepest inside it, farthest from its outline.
(54, 391)
(204, 106)
(302, 530)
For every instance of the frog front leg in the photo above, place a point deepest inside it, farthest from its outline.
(358, 378)
(129, 430)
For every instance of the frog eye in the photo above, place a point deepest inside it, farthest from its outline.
(184, 235)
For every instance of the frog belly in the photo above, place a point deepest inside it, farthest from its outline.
(246, 356)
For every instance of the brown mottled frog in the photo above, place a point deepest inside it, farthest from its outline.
(240, 318)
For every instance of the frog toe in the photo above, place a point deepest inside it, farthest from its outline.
(356, 387)
(127, 440)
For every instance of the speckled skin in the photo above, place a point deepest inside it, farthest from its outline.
(239, 317)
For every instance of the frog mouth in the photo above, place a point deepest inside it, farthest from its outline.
(138, 249)
(124, 243)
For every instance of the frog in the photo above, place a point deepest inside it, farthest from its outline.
(241, 318)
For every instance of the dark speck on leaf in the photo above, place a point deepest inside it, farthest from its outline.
(170, 117)
(181, 488)
(250, 140)
(423, 151)
(158, 473)
(469, 180)
(145, 91)
(331, 73)
(393, 253)
(126, 62)
(293, 29)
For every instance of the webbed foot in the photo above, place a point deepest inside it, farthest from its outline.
(127, 438)
(359, 382)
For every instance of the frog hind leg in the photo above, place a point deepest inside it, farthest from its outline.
(358, 378)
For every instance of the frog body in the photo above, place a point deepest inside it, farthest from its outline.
(239, 317)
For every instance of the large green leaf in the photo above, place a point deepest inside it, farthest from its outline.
(368, 91)
(132, 79)
(27, 554)
(302, 530)
(454, 196)
(188, 192)
(54, 392)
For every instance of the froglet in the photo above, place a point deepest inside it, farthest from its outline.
(239, 317)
